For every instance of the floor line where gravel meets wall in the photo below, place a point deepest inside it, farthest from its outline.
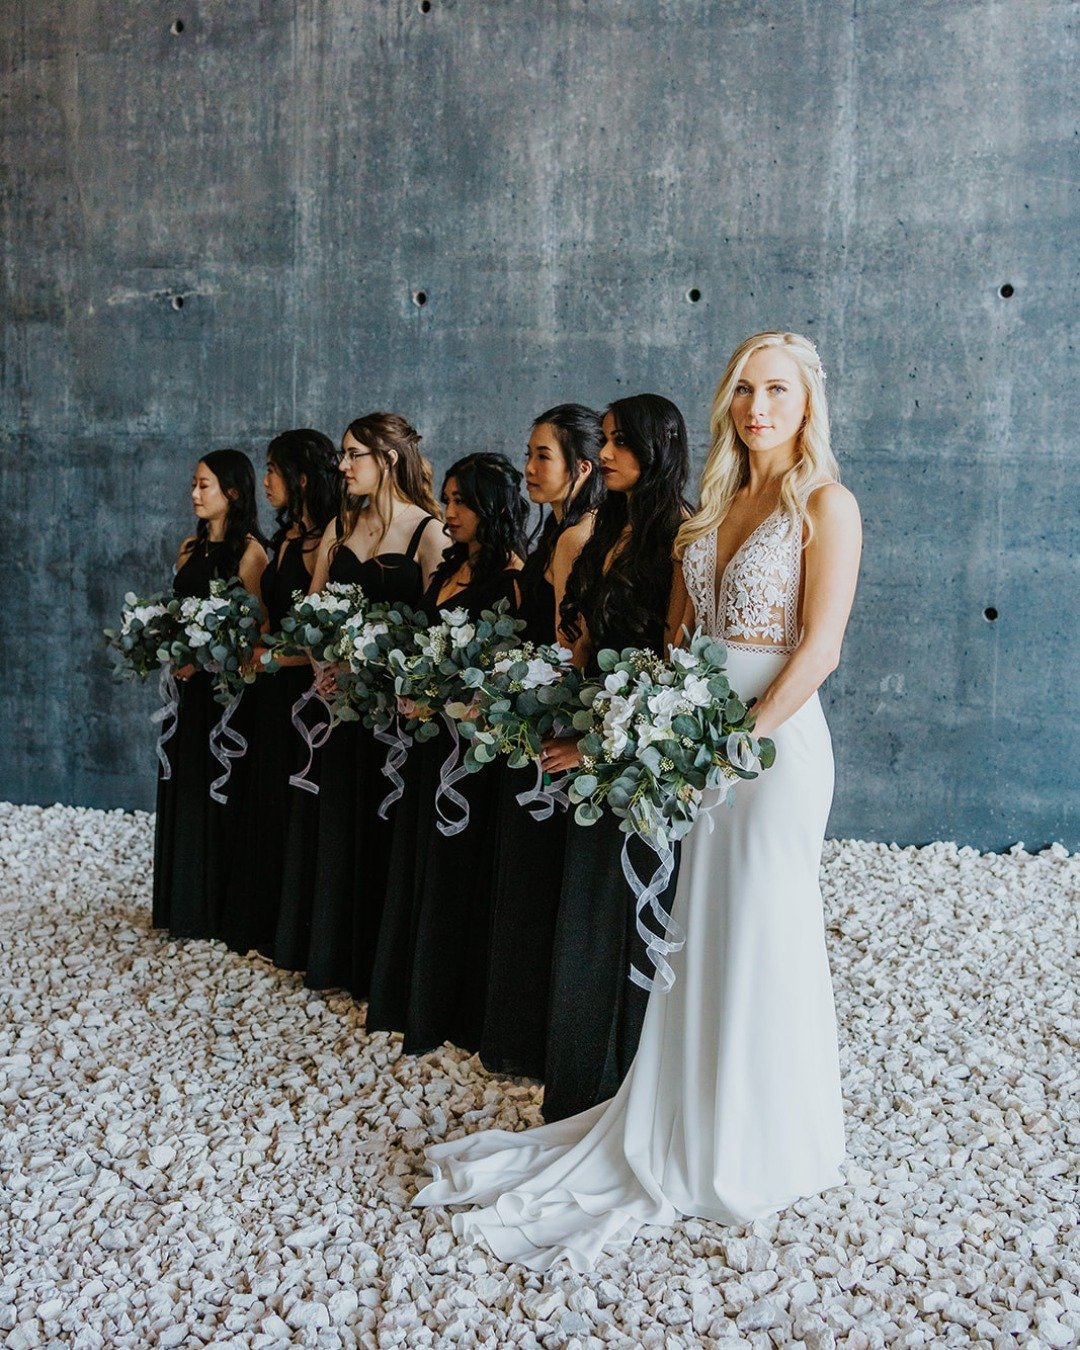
(197, 1150)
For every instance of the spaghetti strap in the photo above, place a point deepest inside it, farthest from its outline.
(414, 542)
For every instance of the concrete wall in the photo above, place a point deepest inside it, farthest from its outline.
(556, 176)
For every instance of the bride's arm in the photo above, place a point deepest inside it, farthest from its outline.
(831, 568)
(680, 613)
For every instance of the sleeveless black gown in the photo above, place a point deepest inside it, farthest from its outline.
(431, 963)
(334, 928)
(275, 751)
(528, 871)
(596, 1012)
(193, 834)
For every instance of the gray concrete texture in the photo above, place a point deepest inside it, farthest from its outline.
(896, 179)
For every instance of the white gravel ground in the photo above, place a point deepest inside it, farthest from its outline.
(197, 1150)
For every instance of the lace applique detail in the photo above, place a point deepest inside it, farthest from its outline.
(699, 573)
(757, 604)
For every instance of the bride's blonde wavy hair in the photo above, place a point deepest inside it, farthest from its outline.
(728, 465)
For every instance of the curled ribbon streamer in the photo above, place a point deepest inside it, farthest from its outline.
(740, 755)
(451, 772)
(542, 798)
(398, 743)
(314, 737)
(168, 715)
(226, 753)
(647, 899)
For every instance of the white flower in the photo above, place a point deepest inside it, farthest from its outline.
(616, 721)
(454, 618)
(370, 632)
(681, 657)
(616, 682)
(665, 703)
(540, 673)
(144, 613)
(696, 690)
(198, 638)
(462, 634)
(651, 733)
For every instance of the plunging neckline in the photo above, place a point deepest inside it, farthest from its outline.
(719, 581)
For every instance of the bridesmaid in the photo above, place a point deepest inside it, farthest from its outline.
(388, 540)
(303, 486)
(618, 595)
(562, 472)
(431, 964)
(193, 833)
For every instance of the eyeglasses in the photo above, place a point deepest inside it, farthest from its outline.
(353, 455)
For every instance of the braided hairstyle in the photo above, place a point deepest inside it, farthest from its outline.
(631, 595)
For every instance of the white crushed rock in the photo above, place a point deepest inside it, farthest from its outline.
(197, 1150)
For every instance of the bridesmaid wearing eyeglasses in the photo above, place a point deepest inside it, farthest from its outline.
(389, 540)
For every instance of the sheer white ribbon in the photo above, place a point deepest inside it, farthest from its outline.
(168, 715)
(671, 939)
(226, 744)
(314, 737)
(542, 798)
(398, 744)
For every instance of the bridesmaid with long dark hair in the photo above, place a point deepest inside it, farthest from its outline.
(562, 472)
(430, 973)
(303, 486)
(618, 596)
(388, 540)
(193, 832)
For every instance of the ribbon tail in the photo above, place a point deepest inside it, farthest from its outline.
(226, 744)
(168, 715)
(671, 939)
(398, 744)
(542, 798)
(314, 737)
(449, 774)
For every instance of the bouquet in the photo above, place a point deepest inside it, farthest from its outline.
(218, 634)
(657, 735)
(147, 626)
(425, 665)
(529, 694)
(313, 624)
(429, 671)
(363, 648)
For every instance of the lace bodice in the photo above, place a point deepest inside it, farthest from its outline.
(755, 604)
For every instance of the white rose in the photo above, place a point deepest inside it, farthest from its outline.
(198, 639)
(665, 703)
(144, 613)
(696, 689)
(454, 618)
(616, 682)
(371, 631)
(539, 673)
(462, 634)
(681, 657)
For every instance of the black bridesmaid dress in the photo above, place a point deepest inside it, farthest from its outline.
(431, 963)
(596, 1013)
(527, 880)
(193, 834)
(342, 890)
(275, 751)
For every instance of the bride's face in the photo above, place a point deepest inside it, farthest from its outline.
(769, 403)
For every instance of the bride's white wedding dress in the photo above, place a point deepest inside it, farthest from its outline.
(731, 1109)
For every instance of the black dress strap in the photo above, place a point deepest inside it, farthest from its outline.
(414, 542)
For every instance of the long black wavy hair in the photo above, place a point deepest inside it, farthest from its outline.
(307, 461)
(580, 435)
(629, 600)
(491, 486)
(236, 478)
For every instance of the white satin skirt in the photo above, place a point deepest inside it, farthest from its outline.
(732, 1107)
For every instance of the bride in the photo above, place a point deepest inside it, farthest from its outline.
(731, 1109)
